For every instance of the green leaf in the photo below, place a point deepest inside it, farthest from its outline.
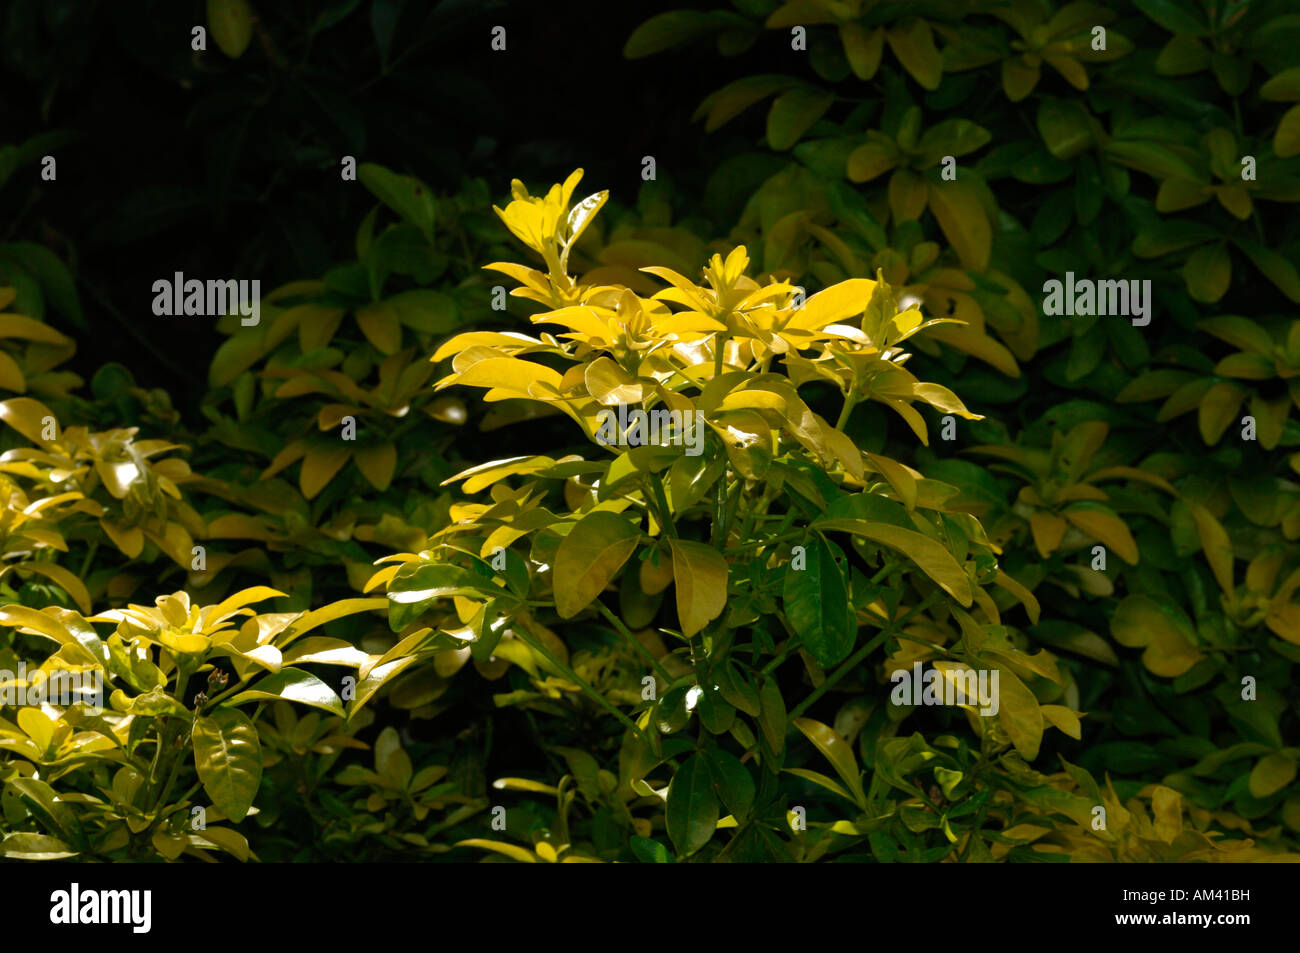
(793, 113)
(649, 851)
(1276, 269)
(55, 279)
(732, 782)
(666, 30)
(228, 757)
(816, 601)
(772, 716)
(692, 806)
(1173, 16)
(416, 586)
(404, 194)
(952, 137)
(589, 557)
(1065, 127)
(1208, 272)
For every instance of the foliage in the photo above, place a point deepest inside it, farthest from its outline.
(531, 628)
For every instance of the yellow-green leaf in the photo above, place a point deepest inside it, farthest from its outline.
(1019, 714)
(1271, 774)
(961, 216)
(700, 573)
(231, 25)
(1217, 546)
(1104, 526)
(377, 463)
(930, 555)
(589, 557)
(837, 752)
(319, 467)
(913, 44)
(228, 757)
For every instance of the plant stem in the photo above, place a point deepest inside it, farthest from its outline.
(617, 623)
(661, 505)
(844, 668)
(534, 644)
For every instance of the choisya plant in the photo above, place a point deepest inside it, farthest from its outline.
(793, 557)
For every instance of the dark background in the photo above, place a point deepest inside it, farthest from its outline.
(178, 160)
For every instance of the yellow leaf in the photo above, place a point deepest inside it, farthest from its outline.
(11, 375)
(961, 216)
(898, 477)
(1141, 621)
(701, 573)
(1020, 592)
(1167, 808)
(328, 613)
(1106, 528)
(1284, 622)
(1047, 530)
(977, 344)
(36, 621)
(508, 373)
(610, 384)
(27, 416)
(38, 726)
(69, 583)
(128, 539)
(1063, 719)
(510, 850)
(848, 299)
